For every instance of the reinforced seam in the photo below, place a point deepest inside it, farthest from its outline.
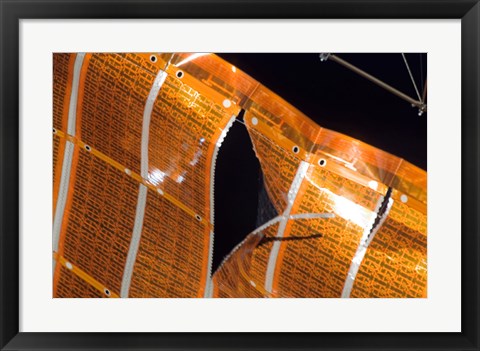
(382, 210)
(292, 194)
(142, 190)
(68, 155)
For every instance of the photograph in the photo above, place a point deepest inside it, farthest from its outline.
(239, 175)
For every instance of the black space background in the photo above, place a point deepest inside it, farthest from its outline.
(335, 98)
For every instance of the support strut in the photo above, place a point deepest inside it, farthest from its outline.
(422, 107)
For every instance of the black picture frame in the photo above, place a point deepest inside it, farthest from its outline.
(12, 11)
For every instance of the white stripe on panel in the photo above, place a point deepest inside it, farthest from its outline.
(143, 190)
(68, 154)
(147, 113)
(312, 216)
(135, 242)
(365, 241)
(292, 194)
(62, 193)
(72, 109)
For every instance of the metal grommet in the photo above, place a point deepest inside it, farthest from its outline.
(153, 58)
(68, 265)
(295, 149)
(129, 172)
(254, 121)
(373, 185)
(88, 148)
(160, 191)
(404, 198)
(227, 103)
(198, 217)
(179, 74)
(322, 162)
(107, 292)
(54, 131)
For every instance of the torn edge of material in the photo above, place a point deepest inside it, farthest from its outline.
(259, 230)
(209, 283)
(382, 210)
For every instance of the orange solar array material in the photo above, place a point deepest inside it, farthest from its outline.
(246, 266)
(135, 142)
(358, 252)
(113, 210)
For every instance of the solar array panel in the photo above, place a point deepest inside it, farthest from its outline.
(135, 141)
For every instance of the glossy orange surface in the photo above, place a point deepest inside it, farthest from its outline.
(307, 170)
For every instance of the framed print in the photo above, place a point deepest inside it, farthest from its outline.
(234, 175)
